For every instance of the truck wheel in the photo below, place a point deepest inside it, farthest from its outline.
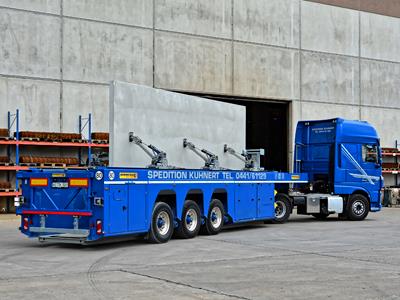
(357, 207)
(215, 218)
(320, 216)
(162, 224)
(190, 223)
(283, 208)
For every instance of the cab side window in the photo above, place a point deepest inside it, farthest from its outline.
(370, 153)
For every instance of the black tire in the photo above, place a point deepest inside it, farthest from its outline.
(157, 233)
(283, 208)
(189, 226)
(357, 207)
(320, 216)
(215, 218)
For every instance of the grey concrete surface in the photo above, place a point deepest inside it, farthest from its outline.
(136, 13)
(330, 78)
(329, 29)
(380, 83)
(37, 101)
(103, 52)
(29, 44)
(89, 99)
(191, 63)
(302, 259)
(164, 119)
(47, 6)
(383, 119)
(266, 72)
(279, 50)
(207, 17)
(380, 37)
(280, 28)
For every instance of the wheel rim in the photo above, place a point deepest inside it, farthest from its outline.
(163, 223)
(358, 207)
(280, 209)
(191, 219)
(216, 217)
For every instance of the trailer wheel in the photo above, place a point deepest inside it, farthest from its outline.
(215, 218)
(162, 224)
(357, 207)
(190, 223)
(283, 208)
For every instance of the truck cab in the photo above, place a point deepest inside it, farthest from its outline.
(343, 161)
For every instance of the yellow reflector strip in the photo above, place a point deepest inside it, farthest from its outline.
(127, 175)
(38, 182)
(78, 182)
(295, 177)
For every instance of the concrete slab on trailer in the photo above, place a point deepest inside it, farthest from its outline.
(164, 118)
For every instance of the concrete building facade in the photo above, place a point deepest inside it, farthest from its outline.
(330, 59)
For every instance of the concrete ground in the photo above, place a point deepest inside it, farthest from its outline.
(302, 259)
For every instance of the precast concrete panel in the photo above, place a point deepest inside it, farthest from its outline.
(129, 12)
(101, 52)
(273, 22)
(266, 72)
(330, 78)
(385, 121)
(164, 119)
(82, 99)
(47, 6)
(189, 63)
(321, 111)
(329, 29)
(206, 17)
(380, 82)
(380, 37)
(38, 102)
(30, 44)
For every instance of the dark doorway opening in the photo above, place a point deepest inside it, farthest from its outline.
(267, 125)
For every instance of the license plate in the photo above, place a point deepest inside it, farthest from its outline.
(59, 185)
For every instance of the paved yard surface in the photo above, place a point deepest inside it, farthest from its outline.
(302, 259)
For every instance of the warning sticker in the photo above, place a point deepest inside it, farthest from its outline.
(128, 175)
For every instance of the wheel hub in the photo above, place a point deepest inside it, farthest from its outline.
(280, 209)
(358, 208)
(163, 223)
(216, 217)
(191, 219)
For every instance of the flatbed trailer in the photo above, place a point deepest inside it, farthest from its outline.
(337, 167)
(85, 206)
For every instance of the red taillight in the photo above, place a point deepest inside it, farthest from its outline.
(99, 227)
(26, 223)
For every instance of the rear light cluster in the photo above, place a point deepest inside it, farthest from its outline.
(99, 227)
(25, 223)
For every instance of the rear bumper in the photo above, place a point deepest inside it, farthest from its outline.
(64, 238)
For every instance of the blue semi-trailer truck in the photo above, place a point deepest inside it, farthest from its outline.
(337, 169)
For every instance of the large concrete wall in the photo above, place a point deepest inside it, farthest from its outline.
(164, 119)
(57, 57)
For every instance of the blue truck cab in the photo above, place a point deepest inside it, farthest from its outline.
(342, 158)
